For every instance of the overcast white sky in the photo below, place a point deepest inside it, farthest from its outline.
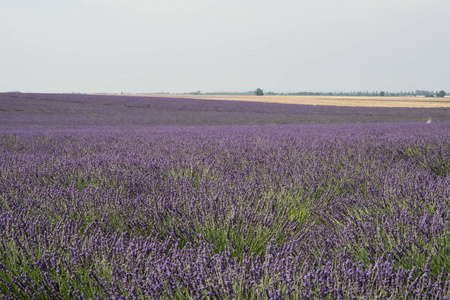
(224, 45)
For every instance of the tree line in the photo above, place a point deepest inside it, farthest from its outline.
(260, 92)
(442, 93)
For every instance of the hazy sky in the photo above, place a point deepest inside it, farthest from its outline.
(226, 45)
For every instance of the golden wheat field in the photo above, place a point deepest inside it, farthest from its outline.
(321, 100)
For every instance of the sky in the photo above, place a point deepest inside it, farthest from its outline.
(137, 46)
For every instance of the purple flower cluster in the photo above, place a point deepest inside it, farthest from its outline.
(268, 212)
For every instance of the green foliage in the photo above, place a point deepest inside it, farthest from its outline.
(259, 92)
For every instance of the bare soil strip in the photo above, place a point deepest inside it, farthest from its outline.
(420, 102)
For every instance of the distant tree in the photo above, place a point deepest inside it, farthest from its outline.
(441, 94)
(382, 94)
(259, 92)
(424, 93)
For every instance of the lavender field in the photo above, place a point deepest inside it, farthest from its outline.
(108, 197)
(78, 110)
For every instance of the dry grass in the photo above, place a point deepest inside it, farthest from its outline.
(324, 100)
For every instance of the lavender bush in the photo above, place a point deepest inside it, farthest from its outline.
(349, 211)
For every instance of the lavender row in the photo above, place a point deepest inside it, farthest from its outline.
(301, 212)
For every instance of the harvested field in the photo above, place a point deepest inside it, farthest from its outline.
(326, 100)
